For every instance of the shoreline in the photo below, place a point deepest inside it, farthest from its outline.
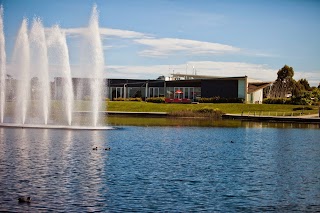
(294, 119)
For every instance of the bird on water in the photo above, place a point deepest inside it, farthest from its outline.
(24, 199)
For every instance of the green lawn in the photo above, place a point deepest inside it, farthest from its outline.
(130, 106)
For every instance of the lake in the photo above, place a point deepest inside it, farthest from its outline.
(250, 167)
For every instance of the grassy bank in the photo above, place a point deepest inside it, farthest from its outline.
(127, 106)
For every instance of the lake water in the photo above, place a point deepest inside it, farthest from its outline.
(161, 169)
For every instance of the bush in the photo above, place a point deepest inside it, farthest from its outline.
(119, 99)
(135, 99)
(203, 112)
(301, 101)
(156, 100)
(221, 100)
(127, 99)
(277, 101)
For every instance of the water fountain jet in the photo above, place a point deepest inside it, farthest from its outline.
(2, 67)
(39, 67)
(97, 61)
(41, 55)
(21, 64)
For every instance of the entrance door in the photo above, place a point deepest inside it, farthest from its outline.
(119, 92)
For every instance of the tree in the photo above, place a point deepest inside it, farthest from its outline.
(284, 84)
(304, 83)
(285, 73)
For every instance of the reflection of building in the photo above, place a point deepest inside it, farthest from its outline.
(179, 86)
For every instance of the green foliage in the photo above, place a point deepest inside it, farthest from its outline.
(284, 84)
(277, 101)
(301, 101)
(221, 100)
(301, 98)
(316, 94)
(206, 112)
(304, 84)
(156, 100)
(285, 72)
(127, 99)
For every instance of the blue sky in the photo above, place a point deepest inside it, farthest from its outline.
(149, 38)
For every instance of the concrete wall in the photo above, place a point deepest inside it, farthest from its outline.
(255, 97)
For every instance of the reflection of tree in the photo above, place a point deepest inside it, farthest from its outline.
(284, 84)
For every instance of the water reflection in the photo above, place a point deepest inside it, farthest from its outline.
(202, 122)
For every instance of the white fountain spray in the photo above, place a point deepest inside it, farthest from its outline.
(2, 68)
(21, 63)
(58, 43)
(39, 66)
(97, 61)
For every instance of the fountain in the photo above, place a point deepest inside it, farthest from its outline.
(2, 67)
(21, 63)
(40, 65)
(28, 99)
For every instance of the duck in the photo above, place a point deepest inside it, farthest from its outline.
(24, 199)
(108, 148)
(95, 148)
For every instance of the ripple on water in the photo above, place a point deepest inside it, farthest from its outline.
(152, 169)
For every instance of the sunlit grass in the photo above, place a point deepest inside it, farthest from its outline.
(231, 108)
(132, 106)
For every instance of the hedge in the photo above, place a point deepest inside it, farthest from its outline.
(221, 100)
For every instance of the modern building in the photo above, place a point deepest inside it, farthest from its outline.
(191, 87)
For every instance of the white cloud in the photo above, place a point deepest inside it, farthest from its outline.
(223, 69)
(106, 32)
(166, 46)
(211, 68)
(122, 33)
(158, 47)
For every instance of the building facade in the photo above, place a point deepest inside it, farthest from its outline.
(191, 87)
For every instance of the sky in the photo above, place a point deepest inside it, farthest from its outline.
(145, 39)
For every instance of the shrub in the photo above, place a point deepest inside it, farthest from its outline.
(156, 100)
(203, 112)
(301, 101)
(119, 99)
(277, 101)
(135, 99)
(127, 99)
(221, 100)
